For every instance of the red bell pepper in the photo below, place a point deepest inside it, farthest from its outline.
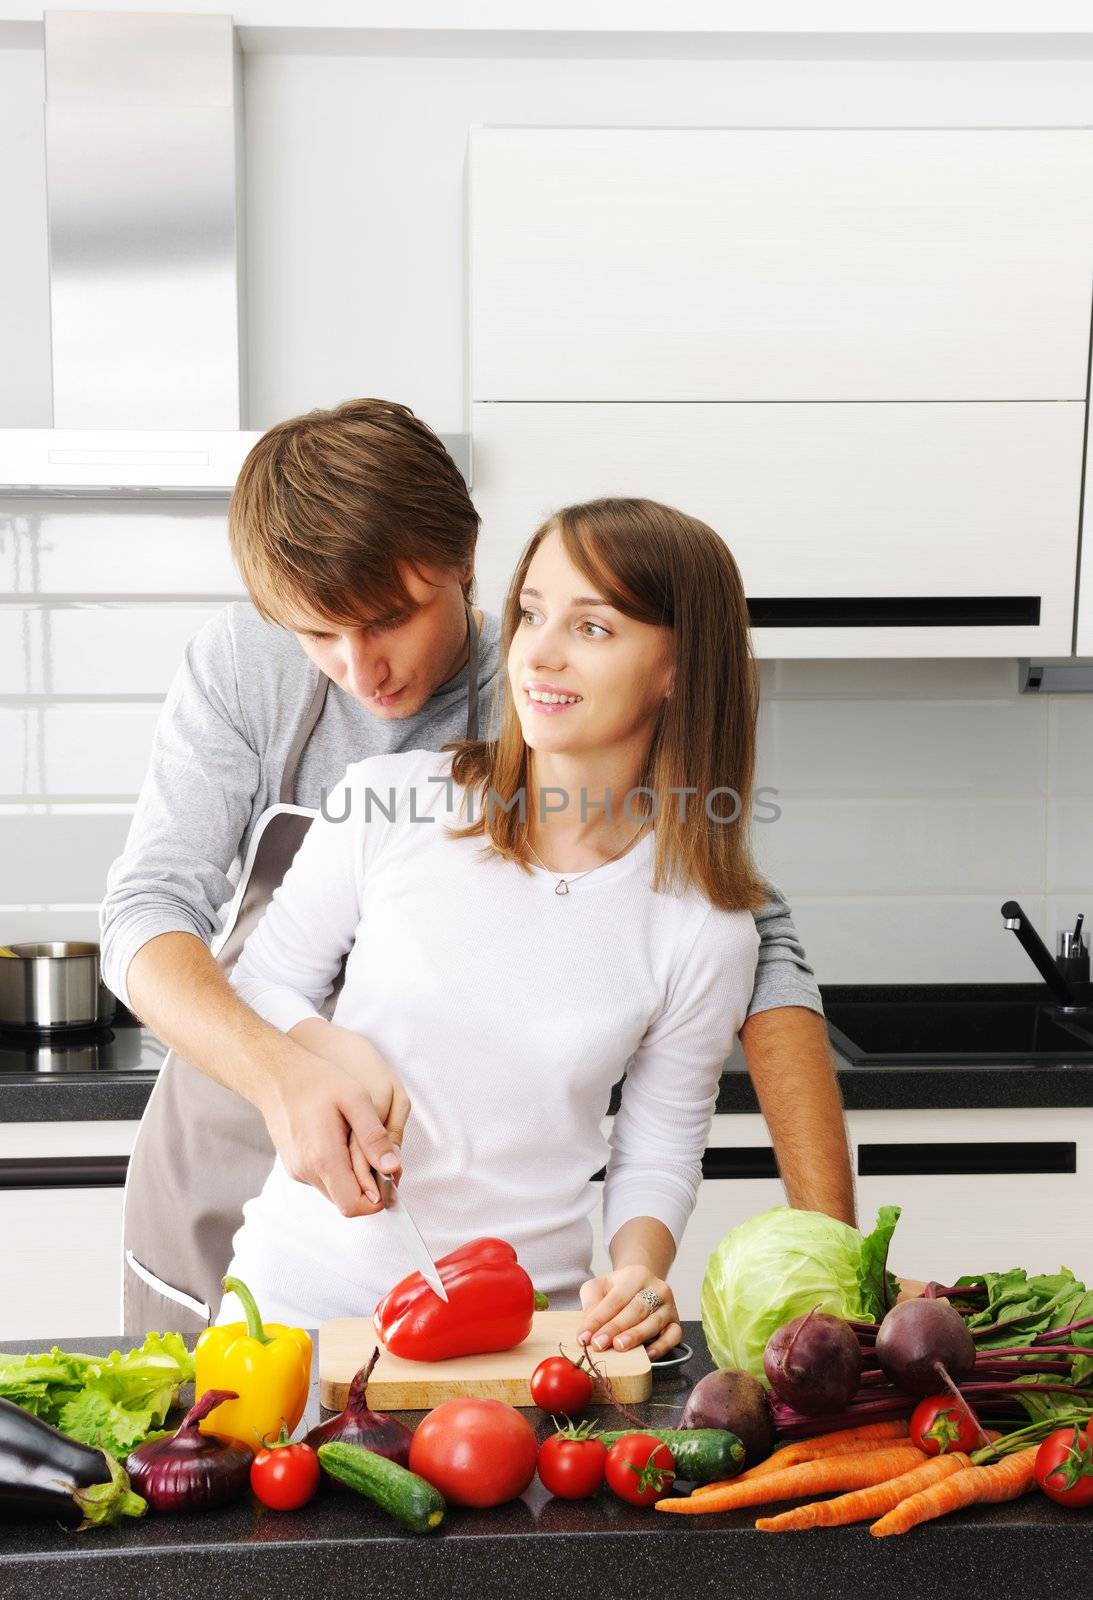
(489, 1307)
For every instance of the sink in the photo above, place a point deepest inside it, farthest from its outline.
(956, 1024)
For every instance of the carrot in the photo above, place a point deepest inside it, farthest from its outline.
(846, 1441)
(1002, 1480)
(866, 1503)
(809, 1477)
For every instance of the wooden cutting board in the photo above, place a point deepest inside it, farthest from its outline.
(346, 1343)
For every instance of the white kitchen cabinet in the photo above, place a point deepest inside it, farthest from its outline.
(950, 1224)
(1083, 634)
(659, 264)
(989, 1221)
(861, 502)
(60, 1265)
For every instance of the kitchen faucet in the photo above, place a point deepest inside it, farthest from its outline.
(1035, 948)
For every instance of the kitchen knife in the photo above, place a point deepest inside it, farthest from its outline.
(412, 1242)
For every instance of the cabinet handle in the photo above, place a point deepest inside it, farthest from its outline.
(895, 611)
(940, 1160)
(731, 1161)
(63, 1172)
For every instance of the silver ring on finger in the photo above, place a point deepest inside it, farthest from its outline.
(651, 1299)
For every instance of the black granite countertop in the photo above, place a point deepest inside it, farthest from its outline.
(538, 1545)
(111, 1077)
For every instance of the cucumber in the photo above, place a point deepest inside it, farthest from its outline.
(701, 1455)
(416, 1504)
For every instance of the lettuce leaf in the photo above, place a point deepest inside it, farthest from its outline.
(111, 1401)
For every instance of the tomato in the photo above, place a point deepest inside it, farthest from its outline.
(476, 1452)
(283, 1475)
(938, 1426)
(561, 1386)
(1064, 1467)
(571, 1463)
(639, 1469)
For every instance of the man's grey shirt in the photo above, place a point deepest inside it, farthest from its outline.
(219, 752)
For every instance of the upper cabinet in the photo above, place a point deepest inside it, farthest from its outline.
(1083, 632)
(692, 264)
(860, 355)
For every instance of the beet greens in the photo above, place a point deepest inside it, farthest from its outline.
(1032, 1340)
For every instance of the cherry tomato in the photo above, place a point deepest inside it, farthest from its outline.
(938, 1426)
(1064, 1467)
(640, 1469)
(560, 1386)
(283, 1475)
(571, 1463)
(476, 1452)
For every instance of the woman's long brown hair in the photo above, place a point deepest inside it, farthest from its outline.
(658, 566)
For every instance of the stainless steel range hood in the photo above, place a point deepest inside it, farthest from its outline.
(144, 161)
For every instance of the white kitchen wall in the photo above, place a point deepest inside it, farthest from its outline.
(916, 796)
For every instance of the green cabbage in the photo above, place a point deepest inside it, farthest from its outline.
(784, 1262)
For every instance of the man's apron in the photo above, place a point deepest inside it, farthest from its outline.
(201, 1150)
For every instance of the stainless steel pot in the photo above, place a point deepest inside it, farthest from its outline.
(55, 984)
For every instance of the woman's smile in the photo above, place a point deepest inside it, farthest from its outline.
(548, 701)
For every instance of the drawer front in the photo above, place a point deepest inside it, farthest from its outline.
(780, 264)
(61, 1188)
(60, 1268)
(980, 1190)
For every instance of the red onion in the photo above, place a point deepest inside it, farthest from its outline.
(191, 1471)
(357, 1425)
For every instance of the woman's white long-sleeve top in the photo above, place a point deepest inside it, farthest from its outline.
(509, 1012)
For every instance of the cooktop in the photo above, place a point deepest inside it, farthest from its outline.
(124, 1046)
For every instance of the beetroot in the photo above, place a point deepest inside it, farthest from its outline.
(814, 1363)
(919, 1340)
(735, 1401)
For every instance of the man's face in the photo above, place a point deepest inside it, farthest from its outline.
(393, 664)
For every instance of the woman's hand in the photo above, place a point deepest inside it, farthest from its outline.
(615, 1315)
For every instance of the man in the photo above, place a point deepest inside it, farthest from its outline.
(355, 536)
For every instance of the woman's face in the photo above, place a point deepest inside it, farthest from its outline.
(613, 671)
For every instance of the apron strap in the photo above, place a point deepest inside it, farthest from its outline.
(303, 734)
(472, 674)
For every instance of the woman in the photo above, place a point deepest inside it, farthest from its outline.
(513, 958)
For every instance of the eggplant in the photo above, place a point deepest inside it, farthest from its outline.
(44, 1473)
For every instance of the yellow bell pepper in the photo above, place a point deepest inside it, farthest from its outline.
(268, 1367)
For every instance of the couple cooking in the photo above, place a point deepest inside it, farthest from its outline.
(476, 870)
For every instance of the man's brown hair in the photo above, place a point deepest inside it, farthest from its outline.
(659, 566)
(328, 504)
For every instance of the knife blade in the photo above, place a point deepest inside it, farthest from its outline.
(412, 1242)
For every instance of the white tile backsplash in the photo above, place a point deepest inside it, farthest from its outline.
(1070, 746)
(916, 938)
(58, 856)
(14, 756)
(94, 649)
(22, 924)
(916, 795)
(59, 751)
(1070, 846)
(976, 749)
(889, 846)
(169, 548)
(91, 750)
